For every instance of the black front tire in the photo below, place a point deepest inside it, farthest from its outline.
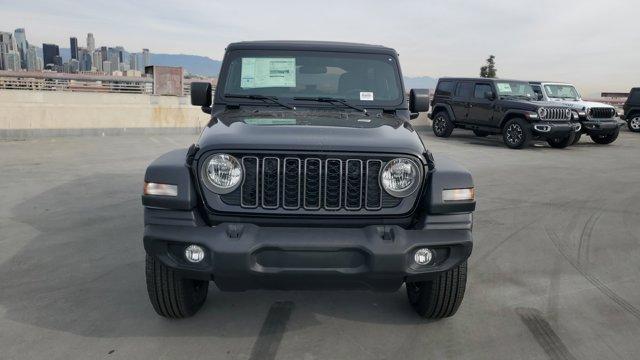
(171, 295)
(605, 139)
(561, 143)
(442, 125)
(441, 297)
(480, 133)
(516, 133)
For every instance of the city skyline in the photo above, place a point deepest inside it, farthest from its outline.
(548, 40)
(17, 54)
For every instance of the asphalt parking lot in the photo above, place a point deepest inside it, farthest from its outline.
(554, 273)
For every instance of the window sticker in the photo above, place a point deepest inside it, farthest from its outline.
(269, 121)
(366, 96)
(268, 72)
(504, 87)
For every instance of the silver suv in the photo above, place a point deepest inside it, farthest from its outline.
(598, 120)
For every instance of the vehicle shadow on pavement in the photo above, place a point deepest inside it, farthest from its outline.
(83, 273)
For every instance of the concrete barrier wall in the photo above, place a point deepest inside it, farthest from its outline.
(25, 114)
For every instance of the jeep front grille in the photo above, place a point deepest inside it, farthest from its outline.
(557, 114)
(321, 183)
(601, 113)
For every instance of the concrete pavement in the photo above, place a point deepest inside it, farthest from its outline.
(554, 272)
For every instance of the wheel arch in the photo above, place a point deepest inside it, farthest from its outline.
(443, 107)
(512, 114)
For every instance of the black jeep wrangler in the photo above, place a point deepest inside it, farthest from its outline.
(632, 110)
(308, 175)
(496, 106)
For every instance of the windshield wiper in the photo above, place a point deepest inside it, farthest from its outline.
(331, 101)
(273, 99)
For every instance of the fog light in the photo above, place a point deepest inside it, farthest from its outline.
(194, 253)
(423, 256)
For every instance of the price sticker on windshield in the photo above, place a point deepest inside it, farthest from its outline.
(366, 96)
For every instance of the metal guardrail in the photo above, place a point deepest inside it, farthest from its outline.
(74, 85)
(51, 81)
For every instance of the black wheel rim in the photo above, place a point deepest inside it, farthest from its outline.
(439, 125)
(514, 134)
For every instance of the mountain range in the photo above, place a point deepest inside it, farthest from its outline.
(206, 66)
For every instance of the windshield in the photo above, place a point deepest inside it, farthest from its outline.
(515, 89)
(367, 80)
(561, 92)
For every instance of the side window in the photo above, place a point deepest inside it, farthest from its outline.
(480, 90)
(444, 88)
(537, 89)
(634, 97)
(464, 89)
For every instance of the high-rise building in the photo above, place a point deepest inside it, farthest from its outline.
(133, 61)
(91, 43)
(105, 53)
(8, 51)
(114, 59)
(49, 52)
(32, 58)
(74, 47)
(106, 67)
(23, 46)
(97, 60)
(74, 66)
(146, 58)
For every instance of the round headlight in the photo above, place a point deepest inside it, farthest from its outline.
(222, 173)
(542, 113)
(400, 177)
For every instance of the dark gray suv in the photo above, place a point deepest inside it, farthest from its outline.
(308, 175)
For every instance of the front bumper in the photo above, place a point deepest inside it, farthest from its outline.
(552, 129)
(593, 127)
(246, 256)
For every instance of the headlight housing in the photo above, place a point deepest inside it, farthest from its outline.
(542, 113)
(222, 173)
(401, 177)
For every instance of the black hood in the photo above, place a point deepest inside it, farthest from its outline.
(318, 130)
(529, 105)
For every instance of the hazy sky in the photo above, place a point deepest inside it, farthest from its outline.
(594, 44)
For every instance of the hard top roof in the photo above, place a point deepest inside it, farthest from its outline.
(478, 79)
(310, 46)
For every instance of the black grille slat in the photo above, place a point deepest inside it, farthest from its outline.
(333, 184)
(312, 183)
(291, 183)
(249, 189)
(353, 184)
(373, 192)
(270, 182)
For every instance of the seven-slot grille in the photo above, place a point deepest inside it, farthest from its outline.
(557, 114)
(601, 113)
(311, 183)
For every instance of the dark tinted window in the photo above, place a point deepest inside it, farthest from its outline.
(444, 88)
(634, 97)
(464, 89)
(480, 89)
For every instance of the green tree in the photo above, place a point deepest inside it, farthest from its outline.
(489, 70)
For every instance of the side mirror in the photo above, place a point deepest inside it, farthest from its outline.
(489, 95)
(201, 95)
(419, 100)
